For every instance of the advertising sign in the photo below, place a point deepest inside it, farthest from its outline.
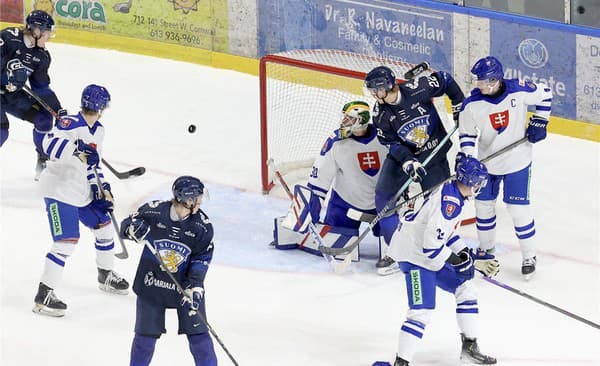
(588, 79)
(11, 11)
(377, 28)
(541, 55)
(193, 23)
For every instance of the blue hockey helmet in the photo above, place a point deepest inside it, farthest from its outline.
(95, 98)
(187, 187)
(472, 173)
(380, 78)
(39, 19)
(488, 68)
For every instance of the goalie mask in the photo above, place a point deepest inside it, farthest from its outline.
(355, 119)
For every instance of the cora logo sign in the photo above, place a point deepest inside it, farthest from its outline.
(81, 9)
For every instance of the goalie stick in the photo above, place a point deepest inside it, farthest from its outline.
(388, 206)
(184, 294)
(338, 266)
(123, 254)
(365, 217)
(120, 175)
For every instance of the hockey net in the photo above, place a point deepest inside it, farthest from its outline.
(301, 94)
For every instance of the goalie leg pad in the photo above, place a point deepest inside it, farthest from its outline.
(284, 238)
(333, 237)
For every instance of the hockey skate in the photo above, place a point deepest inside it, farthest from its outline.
(40, 166)
(528, 267)
(110, 281)
(46, 302)
(386, 266)
(400, 362)
(470, 353)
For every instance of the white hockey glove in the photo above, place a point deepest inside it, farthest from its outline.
(191, 299)
(486, 263)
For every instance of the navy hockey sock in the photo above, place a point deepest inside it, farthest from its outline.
(142, 350)
(202, 349)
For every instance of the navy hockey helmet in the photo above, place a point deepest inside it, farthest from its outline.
(488, 68)
(39, 19)
(380, 78)
(95, 98)
(472, 173)
(187, 187)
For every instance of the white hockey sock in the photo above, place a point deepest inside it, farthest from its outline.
(467, 309)
(412, 331)
(524, 228)
(55, 262)
(104, 247)
(486, 223)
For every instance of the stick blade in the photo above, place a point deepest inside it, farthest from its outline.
(122, 255)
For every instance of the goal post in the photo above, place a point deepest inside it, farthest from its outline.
(302, 93)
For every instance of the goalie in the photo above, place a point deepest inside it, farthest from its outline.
(345, 173)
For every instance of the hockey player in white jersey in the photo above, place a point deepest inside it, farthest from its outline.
(71, 194)
(431, 254)
(346, 170)
(494, 116)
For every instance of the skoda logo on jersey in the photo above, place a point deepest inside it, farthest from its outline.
(172, 253)
(415, 131)
(533, 53)
(369, 162)
(499, 121)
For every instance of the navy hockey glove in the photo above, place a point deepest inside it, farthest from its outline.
(459, 157)
(138, 230)
(191, 299)
(462, 263)
(415, 170)
(16, 75)
(103, 198)
(86, 153)
(536, 131)
(485, 263)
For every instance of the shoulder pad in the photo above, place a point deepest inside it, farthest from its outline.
(451, 202)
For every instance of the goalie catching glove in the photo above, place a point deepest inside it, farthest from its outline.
(191, 299)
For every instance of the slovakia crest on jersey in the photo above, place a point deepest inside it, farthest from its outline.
(499, 121)
(415, 131)
(65, 122)
(369, 162)
(172, 253)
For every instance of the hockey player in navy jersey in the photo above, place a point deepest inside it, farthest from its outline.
(494, 116)
(75, 191)
(407, 122)
(431, 255)
(24, 57)
(347, 169)
(183, 236)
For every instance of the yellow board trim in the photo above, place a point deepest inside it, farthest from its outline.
(561, 126)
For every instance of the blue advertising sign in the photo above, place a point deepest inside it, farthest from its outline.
(376, 28)
(541, 55)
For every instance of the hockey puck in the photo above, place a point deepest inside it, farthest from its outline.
(192, 128)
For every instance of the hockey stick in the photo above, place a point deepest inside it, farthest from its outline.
(123, 254)
(184, 294)
(417, 70)
(360, 216)
(541, 302)
(338, 267)
(135, 172)
(121, 175)
(388, 206)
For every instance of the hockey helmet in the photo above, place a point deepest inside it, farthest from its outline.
(355, 118)
(95, 98)
(487, 73)
(39, 19)
(187, 187)
(381, 78)
(472, 173)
